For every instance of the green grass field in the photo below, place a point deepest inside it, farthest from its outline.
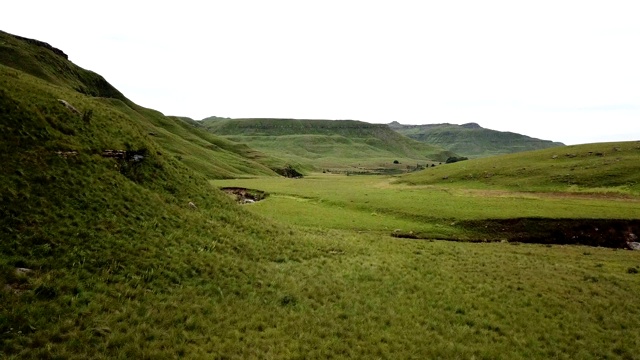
(447, 282)
(591, 168)
(381, 204)
(116, 258)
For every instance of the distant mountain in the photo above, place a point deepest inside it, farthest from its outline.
(472, 140)
(316, 144)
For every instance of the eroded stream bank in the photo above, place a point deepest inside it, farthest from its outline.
(611, 233)
(244, 195)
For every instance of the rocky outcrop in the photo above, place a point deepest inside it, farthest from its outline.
(69, 106)
(290, 172)
(128, 155)
(244, 195)
(471, 125)
(43, 44)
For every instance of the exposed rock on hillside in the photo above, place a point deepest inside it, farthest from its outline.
(44, 45)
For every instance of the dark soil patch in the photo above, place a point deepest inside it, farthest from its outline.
(244, 195)
(612, 233)
(289, 172)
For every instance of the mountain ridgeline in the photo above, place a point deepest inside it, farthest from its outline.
(316, 144)
(472, 140)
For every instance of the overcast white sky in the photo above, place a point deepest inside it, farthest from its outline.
(559, 70)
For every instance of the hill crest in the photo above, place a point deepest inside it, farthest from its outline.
(586, 167)
(327, 143)
(471, 139)
(279, 126)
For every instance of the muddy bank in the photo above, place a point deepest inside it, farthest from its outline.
(244, 195)
(611, 233)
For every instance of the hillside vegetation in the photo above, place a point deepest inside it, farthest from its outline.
(602, 167)
(101, 253)
(92, 100)
(472, 140)
(322, 144)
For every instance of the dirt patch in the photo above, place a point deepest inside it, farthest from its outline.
(244, 195)
(290, 172)
(611, 233)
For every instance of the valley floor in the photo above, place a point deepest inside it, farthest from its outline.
(366, 294)
(380, 204)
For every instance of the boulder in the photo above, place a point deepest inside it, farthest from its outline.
(634, 245)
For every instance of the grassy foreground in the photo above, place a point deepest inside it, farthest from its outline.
(434, 299)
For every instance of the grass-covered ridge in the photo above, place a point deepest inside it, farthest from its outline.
(472, 140)
(320, 144)
(601, 167)
(47, 82)
(50, 64)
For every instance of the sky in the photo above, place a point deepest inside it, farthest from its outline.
(558, 70)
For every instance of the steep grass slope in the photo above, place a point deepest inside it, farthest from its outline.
(327, 143)
(610, 167)
(41, 60)
(472, 140)
(99, 252)
(180, 137)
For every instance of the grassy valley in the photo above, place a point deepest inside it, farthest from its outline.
(116, 242)
(486, 224)
(542, 196)
(472, 140)
(343, 145)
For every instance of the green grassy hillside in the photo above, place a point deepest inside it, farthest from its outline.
(102, 256)
(607, 167)
(472, 140)
(50, 64)
(88, 94)
(319, 144)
